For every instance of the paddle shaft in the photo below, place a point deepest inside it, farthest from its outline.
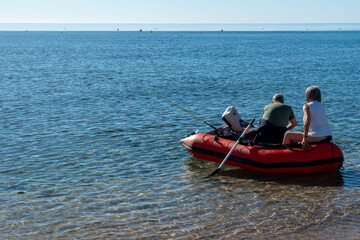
(232, 149)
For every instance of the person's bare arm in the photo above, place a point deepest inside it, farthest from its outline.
(292, 124)
(307, 120)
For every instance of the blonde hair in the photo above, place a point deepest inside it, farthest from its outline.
(313, 93)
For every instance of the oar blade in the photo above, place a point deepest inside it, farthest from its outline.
(232, 149)
(213, 173)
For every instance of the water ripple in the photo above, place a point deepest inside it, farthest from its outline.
(88, 153)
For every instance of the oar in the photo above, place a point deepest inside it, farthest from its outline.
(232, 149)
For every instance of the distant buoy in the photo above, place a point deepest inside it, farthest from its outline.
(180, 35)
(140, 30)
(150, 31)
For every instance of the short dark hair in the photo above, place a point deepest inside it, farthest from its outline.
(278, 98)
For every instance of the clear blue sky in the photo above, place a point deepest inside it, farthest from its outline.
(180, 11)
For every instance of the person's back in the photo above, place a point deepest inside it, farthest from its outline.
(274, 122)
(319, 125)
(278, 114)
(316, 126)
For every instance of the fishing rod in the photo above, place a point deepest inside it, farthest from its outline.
(181, 108)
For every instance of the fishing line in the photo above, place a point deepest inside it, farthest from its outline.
(181, 108)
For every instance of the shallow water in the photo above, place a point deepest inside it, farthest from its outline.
(87, 152)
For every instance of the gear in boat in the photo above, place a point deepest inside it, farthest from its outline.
(213, 146)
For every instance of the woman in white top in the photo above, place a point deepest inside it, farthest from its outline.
(316, 126)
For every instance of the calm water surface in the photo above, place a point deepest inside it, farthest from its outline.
(88, 153)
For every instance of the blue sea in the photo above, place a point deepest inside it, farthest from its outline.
(88, 152)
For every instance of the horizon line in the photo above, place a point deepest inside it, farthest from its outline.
(177, 23)
(176, 27)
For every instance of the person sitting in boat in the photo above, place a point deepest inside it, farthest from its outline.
(316, 126)
(275, 121)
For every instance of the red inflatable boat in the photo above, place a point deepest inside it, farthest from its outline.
(322, 157)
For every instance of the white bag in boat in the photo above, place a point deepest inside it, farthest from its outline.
(232, 118)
